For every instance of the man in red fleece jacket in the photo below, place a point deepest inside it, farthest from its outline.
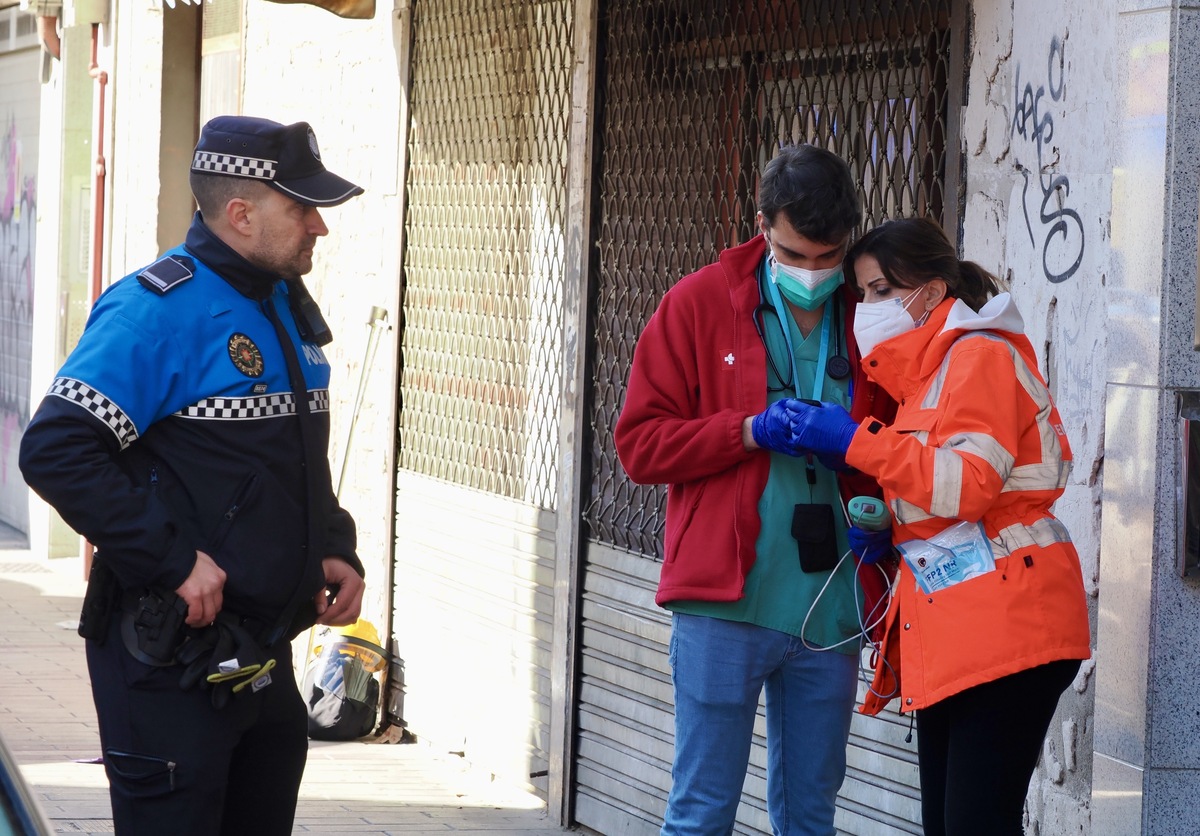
(758, 573)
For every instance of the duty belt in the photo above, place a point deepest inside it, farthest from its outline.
(225, 656)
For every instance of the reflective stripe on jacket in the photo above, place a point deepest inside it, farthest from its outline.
(977, 438)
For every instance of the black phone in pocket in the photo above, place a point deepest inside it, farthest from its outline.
(816, 537)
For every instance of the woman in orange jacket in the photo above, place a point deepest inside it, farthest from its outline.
(988, 621)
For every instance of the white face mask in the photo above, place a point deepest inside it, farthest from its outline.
(875, 322)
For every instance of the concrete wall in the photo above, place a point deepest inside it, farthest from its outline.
(1038, 143)
(62, 265)
(132, 49)
(1082, 134)
(19, 125)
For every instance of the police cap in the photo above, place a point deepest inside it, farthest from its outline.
(285, 157)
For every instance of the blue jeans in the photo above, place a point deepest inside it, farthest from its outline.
(719, 669)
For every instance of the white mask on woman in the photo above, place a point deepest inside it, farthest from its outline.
(875, 322)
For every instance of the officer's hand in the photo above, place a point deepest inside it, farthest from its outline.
(341, 601)
(203, 590)
(772, 428)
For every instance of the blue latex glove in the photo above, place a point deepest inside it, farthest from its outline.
(772, 428)
(827, 428)
(870, 546)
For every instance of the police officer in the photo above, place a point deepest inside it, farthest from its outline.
(186, 437)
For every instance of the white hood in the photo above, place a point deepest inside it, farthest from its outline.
(998, 314)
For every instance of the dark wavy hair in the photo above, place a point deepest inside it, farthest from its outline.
(913, 251)
(814, 189)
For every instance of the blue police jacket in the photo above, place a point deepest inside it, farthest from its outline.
(173, 427)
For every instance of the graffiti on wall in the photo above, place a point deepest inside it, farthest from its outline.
(1058, 226)
(17, 225)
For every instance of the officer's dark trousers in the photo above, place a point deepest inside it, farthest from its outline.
(178, 766)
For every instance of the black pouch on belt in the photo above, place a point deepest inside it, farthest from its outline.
(816, 535)
(99, 601)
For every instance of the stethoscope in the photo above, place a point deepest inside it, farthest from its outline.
(836, 366)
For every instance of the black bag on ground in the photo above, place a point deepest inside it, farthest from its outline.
(333, 717)
(341, 691)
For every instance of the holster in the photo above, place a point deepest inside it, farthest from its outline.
(99, 601)
(152, 625)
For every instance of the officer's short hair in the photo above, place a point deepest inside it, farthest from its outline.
(213, 191)
(814, 189)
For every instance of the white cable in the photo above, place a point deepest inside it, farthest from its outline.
(864, 630)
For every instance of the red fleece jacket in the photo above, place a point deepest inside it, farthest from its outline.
(699, 370)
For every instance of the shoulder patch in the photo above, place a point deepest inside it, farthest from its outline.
(166, 273)
(245, 355)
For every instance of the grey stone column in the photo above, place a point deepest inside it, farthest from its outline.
(1147, 719)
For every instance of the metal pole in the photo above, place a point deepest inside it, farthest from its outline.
(377, 321)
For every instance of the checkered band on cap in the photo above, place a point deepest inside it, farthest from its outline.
(251, 409)
(233, 165)
(111, 415)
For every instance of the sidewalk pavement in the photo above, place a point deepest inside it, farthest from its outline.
(46, 716)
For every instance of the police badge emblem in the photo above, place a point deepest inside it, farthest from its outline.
(245, 355)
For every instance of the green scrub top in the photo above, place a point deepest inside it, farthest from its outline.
(778, 594)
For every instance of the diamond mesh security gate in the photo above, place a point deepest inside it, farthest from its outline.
(484, 243)
(695, 97)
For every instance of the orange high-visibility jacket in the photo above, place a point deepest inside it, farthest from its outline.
(976, 438)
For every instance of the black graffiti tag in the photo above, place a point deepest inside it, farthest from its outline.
(1065, 236)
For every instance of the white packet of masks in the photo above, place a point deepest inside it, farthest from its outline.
(956, 554)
